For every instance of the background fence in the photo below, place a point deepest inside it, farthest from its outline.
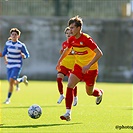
(86, 8)
(42, 23)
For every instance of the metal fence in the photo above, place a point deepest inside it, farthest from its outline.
(85, 8)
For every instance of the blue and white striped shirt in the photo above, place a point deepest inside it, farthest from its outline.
(13, 52)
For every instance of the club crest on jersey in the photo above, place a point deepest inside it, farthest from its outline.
(81, 43)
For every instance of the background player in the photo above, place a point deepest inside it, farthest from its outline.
(67, 65)
(14, 51)
(6, 61)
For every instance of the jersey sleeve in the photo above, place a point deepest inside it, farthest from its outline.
(4, 51)
(25, 51)
(91, 44)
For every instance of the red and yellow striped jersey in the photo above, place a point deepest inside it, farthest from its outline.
(69, 60)
(83, 47)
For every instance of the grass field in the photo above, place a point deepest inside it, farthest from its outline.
(115, 111)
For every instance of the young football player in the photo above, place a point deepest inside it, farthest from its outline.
(87, 54)
(66, 67)
(14, 53)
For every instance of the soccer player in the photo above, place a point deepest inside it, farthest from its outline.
(5, 58)
(14, 51)
(87, 54)
(67, 65)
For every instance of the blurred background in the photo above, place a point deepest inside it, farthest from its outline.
(42, 23)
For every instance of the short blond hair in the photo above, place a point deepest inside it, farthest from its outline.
(15, 30)
(66, 29)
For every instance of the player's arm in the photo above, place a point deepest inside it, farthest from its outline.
(4, 52)
(25, 54)
(63, 55)
(62, 48)
(61, 51)
(5, 58)
(95, 59)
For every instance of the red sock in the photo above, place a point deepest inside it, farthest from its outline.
(96, 92)
(69, 98)
(60, 85)
(75, 91)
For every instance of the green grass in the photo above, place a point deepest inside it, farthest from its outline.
(115, 109)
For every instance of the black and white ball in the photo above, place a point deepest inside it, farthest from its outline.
(35, 111)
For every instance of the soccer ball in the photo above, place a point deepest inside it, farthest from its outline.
(35, 111)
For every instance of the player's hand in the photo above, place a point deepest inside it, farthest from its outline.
(58, 67)
(85, 69)
(23, 55)
(61, 51)
(6, 61)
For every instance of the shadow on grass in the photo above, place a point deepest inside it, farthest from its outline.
(29, 106)
(37, 126)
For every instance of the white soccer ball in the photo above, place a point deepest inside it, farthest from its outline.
(35, 111)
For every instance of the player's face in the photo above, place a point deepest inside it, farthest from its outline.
(14, 36)
(68, 33)
(74, 30)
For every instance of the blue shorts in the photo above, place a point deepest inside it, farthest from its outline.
(13, 73)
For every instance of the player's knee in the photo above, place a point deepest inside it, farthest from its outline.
(89, 93)
(70, 85)
(11, 81)
(89, 90)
